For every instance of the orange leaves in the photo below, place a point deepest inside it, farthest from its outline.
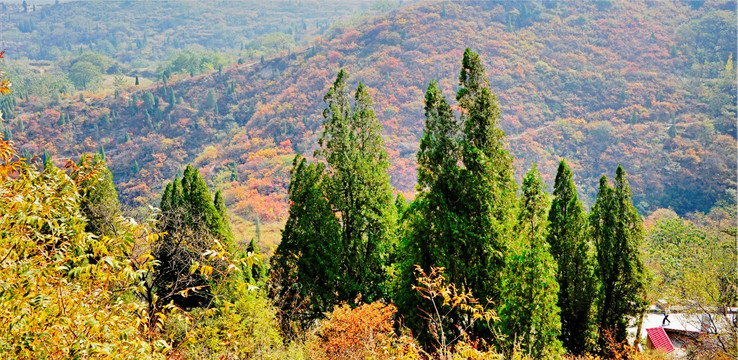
(10, 163)
(4, 83)
(358, 333)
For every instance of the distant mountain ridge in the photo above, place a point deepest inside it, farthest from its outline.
(650, 86)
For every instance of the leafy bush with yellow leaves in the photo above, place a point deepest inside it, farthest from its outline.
(55, 302)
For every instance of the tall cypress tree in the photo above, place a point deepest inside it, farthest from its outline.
(191, 224)
(463, 214)
(487, 211)
(529, 314)
(617, 231)
(306, 266)
(570, 248)
(431, 222)
(359, 191)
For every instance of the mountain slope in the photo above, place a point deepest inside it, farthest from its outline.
(646, 85)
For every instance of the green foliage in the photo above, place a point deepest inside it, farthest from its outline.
(359, 191)
(617, 231)
(192, 62)
(246, 329)
(99, 201)
(487, 210)
(85, 75)
(570, 247)
(431, 219)
(56, 302)
(305, 268)
(529, 315)
(210, 100)
(462, 215)
(256, 273)
(191, 224)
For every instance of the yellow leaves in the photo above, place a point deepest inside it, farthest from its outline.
(4, 83)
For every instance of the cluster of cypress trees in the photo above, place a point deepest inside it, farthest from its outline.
(191, 221)
(340, 232)
(557, 277)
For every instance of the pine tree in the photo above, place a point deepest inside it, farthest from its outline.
(192, 223)
(46, 159)
(99, 199)
(570, 248)
(359, 190)
(462, 215)
(306, 264)
(137, 83)
(617, 231)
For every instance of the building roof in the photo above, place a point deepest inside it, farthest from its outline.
(659, 339)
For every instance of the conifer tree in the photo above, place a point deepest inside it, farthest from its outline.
(617, 231)
(224, 227)
(672, 132)
(431, 217)
(257, 272)
(191, 224)
(359, 191)
(529, 315)
(306, 264)
(210, 100)
(99, 200)
(463, 214)
(487, 210)
(570, 248)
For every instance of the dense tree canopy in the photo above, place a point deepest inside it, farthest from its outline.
(617, 231)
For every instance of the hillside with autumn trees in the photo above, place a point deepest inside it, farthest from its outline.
(649, 86)
(423, 181)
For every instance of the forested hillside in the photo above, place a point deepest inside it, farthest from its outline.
(647, 85)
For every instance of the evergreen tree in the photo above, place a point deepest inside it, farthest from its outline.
(192, 223)
(257, 227)
(358, 189)
(617, 231)
(137, 83)
(99, 199)
(224, 228)
(487, 210)
(257, 271)
(210, 100)
(306, 264)
(462, 215)
(431, 218)
(672, 132)
(46, 159)
(569, 246)
(529, 315)
(148, 99)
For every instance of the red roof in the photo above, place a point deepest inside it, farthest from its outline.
(659, 339)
